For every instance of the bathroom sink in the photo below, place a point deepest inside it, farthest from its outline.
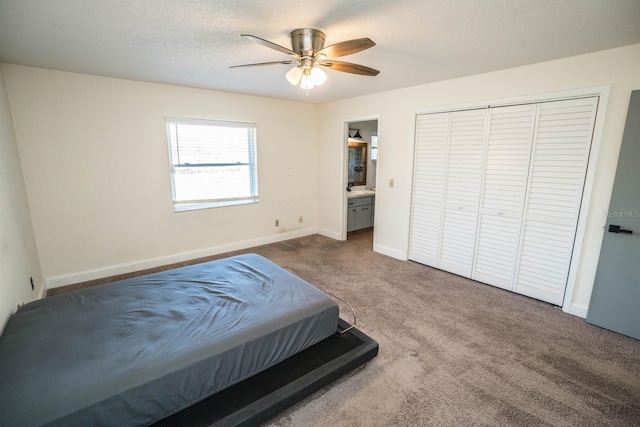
(360, 193)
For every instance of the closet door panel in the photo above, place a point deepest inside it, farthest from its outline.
(462, 190)
(505, 182)
(428, 188)
(560, 154)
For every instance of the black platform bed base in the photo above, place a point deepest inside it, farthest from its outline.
(261, 397)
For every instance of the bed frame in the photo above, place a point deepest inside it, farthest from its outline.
(265, 395)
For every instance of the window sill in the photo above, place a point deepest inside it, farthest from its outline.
(211, 205)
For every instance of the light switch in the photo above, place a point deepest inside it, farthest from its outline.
(391, 182)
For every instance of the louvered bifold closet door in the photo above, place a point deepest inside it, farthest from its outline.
(502, 203)
(432, 138)
(560, 154)
(462, 190)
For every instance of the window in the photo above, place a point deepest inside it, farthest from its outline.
(213, 163)
(374, 147)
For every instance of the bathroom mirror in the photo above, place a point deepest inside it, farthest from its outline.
(357, 165)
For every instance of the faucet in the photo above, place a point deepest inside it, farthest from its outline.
(349, 185)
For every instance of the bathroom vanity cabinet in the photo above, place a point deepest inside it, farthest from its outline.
(360, 212)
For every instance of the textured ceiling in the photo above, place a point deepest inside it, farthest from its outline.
(193, 42)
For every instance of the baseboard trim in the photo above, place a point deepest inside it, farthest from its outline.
(330, 234)
(577, 310)
(114, 270)
(43, 290)
(393, 253)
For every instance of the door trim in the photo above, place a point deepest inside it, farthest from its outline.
(344, 155)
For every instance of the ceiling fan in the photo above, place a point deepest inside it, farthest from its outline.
(308, 51)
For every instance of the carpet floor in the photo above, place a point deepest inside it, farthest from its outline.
(457, 352)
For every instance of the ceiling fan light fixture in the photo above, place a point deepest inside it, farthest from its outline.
(307, 82)
(309, 53)
(311, 77)
(294, 75)
(318, 76)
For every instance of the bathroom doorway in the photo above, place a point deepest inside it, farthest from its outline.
(361, 157)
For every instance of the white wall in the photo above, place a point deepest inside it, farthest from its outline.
(18, 254)
(95, 163)
(619, 68)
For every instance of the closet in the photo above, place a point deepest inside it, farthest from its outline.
(497, 193)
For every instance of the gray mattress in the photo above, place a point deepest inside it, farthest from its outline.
(138, 350)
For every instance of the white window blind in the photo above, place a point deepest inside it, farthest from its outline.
(213, 163)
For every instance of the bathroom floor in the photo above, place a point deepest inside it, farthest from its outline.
(362, 237)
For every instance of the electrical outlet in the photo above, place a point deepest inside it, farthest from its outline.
(33, 288)
(277, 223)
(391, 182)
(300, 219)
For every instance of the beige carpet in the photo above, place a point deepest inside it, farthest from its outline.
(455, 352)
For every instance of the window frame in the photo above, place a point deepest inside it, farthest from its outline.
(252, 164)
(373, 152)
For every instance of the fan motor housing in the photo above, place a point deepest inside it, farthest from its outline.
(307, 41)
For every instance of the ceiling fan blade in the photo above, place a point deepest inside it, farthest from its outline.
(348, 67)
(346, 48)
(258, 64)
(269, 44)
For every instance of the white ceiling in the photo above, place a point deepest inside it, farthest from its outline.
(193, 42)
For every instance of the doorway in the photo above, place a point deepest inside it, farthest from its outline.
(361, 145)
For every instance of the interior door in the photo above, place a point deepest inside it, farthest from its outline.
(505, 182)
(462, 187)
(615, 300)
(432, 139)
(447, 181)
(559, 160)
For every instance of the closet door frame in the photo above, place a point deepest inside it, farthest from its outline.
(600, 91)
